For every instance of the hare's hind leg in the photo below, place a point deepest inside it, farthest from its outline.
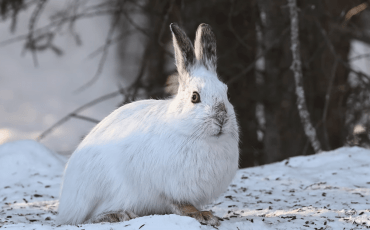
(112, 217)
(204, 217)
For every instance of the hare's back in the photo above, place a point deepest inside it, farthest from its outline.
(131, 118)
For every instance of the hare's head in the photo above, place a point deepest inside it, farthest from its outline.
(202, 97)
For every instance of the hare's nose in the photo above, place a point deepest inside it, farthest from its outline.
(220, 108)
(220, 113)
(221, 120)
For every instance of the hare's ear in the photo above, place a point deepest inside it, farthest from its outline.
(205, 47)
(184, 50)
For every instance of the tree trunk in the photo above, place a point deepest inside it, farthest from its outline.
(296, 67)
(275, 99)
(284, 135)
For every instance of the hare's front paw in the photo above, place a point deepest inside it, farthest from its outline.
(205, 217)
(186, 209)
(112, 217)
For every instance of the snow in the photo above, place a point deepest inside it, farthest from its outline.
(358, 49)
(330, 190)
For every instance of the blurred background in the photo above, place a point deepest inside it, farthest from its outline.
(65, 65)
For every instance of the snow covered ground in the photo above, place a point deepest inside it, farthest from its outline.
(330, 190)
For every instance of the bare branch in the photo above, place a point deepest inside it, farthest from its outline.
(327, 101)
(352, 12)
(115, 21)
(364, 78)
(11, 9)
(233, 30)
(85, 118)
(359, 57)
(74, 12)
(143, 31)
(57, 23)
(137, 82)
(340, 60)
(164, 23)
(75, 114)
(251, 65)
(331, 81)
(361, 35)
(113, 41)
(76, 111)
(136, 26)
(297, 71)
(33, 21)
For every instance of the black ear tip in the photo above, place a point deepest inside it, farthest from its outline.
(205, 26)
(173, 26)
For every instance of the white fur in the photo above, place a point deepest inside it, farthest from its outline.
(150, 153)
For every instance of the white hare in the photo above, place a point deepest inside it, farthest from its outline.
(158, 156)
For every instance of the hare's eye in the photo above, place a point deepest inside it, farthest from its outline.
(195, 98)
